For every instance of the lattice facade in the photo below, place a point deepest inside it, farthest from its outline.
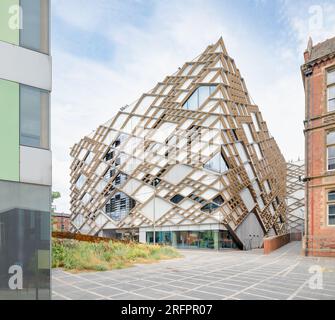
(295, 196)
(191, 154)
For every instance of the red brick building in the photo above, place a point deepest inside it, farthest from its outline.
(318, 74)
(61, 222)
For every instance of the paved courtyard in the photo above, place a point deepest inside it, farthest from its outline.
(202, 275)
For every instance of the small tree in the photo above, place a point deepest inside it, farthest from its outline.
(54, 195)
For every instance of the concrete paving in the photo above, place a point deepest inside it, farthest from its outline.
(201, 275)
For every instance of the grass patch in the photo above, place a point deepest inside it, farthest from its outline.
(82, 256)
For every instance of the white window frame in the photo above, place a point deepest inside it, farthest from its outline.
(330, 203)
(329, 146)
(329, 85)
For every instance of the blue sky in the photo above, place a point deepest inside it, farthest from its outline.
(106, 53)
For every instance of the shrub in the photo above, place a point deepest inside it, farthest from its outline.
(77, 255)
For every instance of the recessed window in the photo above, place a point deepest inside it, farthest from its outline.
(255, 121)
(177, 198)
(247, 131)
(198, 97)
(156, 182)
(331, 90)
(331, 208)
(35, 25)
(331, 150)
(80, 181)
(109, 155)
(89, 157)
(34, 117)
(218, 200)
(258, 151)
(217, 164)
(209, 207)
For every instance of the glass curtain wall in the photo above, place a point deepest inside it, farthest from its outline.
(24, 241)
(194, 239)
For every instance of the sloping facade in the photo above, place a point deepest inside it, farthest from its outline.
(191, 163)
(295, 196)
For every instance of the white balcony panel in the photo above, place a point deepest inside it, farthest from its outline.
(25, 66)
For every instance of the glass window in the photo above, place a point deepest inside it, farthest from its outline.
(242, 152)
(247, 131)
(331, 77)
(331, 150)
(331, 208)
(331, 138)
(34, 117)
(331, 196)
(218, 200)
(89, 157)
(258, 151)
(217, 163)
(198, 97)
(25, 239)
(80, 181)
(255, 121)
(331, 90)
(209, 207)
(177, 198)
(35, 25)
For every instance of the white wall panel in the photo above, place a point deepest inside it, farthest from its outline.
(35, 166)
(25, 66)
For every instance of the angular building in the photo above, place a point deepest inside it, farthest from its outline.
(25, 162)
(318, 74)
(191, 164)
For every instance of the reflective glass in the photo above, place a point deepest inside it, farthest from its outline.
(331, 105)
(331, 196)
(331, 138)
(198, 97)
(331, 93)
(217, 164)
(34, 117)
(24, 241)
(35, 25)
(331, 77)
(331, 214)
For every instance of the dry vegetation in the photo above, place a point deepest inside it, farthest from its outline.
(83, 256)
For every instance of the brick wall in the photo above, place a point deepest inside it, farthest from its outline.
(319, 180)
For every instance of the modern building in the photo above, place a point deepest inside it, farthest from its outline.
(191, 164)
(318, 74)
(295, 198)
(25, 162)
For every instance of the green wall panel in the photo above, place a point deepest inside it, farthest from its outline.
(9, 131)
(6, 33)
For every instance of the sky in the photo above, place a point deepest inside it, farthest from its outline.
(106, 53)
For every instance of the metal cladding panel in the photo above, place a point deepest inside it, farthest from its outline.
(25, 66)
(35, 166)
(9, 130)
(8, 19)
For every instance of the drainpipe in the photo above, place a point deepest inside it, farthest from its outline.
(308, 72)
